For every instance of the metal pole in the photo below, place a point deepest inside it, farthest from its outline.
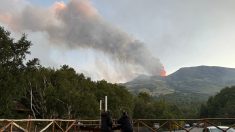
(100, 112)
(106, 103)
(100, 105)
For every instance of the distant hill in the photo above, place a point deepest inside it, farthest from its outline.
(205, 80)
(154, 85)
(202, 79)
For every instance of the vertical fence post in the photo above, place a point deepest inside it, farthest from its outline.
(30, 125)
(11, 127)
(75, 128)
(53, 126)
(138, 125)
(27, 126)
(205, 123)
(170, 125)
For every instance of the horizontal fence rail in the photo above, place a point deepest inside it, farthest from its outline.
(182, 125)
(139, 125)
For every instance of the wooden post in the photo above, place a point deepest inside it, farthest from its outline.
(75, 128)
(170, 126)
(11, 127)
(30, 125)
(53, 127)
(138, 125)
(27, 126)
(35, 128)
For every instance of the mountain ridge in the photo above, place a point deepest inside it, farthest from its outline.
(198, 79)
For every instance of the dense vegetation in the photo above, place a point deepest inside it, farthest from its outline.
(27, 88)
(220, 105)
(147, 107)
(189, 103)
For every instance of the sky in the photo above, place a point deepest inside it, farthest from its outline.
(180, 33)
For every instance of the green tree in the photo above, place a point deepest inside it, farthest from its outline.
(12, 57)
(220, 105)
(148, 107)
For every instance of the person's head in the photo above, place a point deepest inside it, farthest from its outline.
(103, 114)
(124, 113)
(108, 113)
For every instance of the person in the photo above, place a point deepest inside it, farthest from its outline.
(125, 123)
(106, 122)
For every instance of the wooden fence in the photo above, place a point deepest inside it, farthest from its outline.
(139, 125)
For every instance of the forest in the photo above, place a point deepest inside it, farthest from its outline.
(28, 88)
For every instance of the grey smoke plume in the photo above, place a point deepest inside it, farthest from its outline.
(79, 25)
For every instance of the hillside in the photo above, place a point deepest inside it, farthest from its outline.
(202, 79)
(154, 85)
(206, 80)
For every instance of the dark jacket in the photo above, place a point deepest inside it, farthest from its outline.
(106, 122)
(125, 123)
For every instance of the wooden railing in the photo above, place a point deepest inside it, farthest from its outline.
(139, 125)
(44, 125)
(193, 125)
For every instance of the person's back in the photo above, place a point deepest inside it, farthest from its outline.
(106, 122)
(125, 123)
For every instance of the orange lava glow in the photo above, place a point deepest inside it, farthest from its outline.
(163, 72)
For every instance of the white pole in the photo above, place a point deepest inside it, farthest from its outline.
(100, 111)
(100, 105)
(106, 103)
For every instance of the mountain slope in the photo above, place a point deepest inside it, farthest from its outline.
(154, 85)
(201, 79)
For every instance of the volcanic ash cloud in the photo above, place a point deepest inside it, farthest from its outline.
(79, 25)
